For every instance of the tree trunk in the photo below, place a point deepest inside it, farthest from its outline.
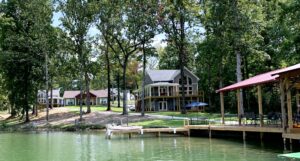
(108, 80)
(26, 106)
(239, 79)
(124, 87)
(81, 68)
(51, 93)
(27, 113)
(47, 86)
(81, 94)
(88, 96)
(118, 86)
(143, 83)
(36, 106)
(238, 57)
(182, 60)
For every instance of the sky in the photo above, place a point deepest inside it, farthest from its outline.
(157, 40)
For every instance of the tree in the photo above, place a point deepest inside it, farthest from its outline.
(146, 17)
(177, 17)
(23, 47)
(77, 19)
(120, 33)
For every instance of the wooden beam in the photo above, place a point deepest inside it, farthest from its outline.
(238, 105)
(289, 106)
(260, 110)
(282, 102)
(222, 106)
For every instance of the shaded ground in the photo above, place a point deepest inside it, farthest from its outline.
(64, 118)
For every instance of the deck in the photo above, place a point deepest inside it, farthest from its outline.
(235, 128)
(292, 134)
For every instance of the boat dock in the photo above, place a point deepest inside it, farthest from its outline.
(130, 130)
(186, 130)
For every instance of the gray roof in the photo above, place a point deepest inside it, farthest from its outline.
(162, 75)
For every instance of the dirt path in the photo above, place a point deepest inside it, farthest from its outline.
(63, 116)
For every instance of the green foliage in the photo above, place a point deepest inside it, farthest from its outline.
(24, 40)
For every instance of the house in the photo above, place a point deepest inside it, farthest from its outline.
(163, 90)
(57, 101)
(97, 97)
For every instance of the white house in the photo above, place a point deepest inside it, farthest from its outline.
(56, 99)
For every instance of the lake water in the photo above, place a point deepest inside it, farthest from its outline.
(63, 146)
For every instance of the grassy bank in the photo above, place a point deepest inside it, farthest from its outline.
(94, 108)
(159, 123)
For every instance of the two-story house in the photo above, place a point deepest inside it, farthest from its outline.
(163, 90)
(57, 101)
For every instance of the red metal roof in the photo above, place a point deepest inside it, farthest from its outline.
(289, 69)
(259, 79)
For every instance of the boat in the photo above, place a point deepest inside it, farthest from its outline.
(290, 155)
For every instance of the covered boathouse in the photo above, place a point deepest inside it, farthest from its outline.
(287, 80)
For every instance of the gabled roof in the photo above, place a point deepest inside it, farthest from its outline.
(162, 75)
(288, 69)
(165, 75)
(268, 77)
(100, 93)
(97, 93)
(71, 94)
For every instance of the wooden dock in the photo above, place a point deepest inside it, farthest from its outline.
(157, 131)
(186, 129)
(235, 128)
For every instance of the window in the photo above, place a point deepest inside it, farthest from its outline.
(184, 80)
(190, 80)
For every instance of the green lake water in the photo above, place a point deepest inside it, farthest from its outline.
(63, 146)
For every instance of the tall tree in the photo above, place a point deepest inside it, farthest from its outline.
(23, 48)
(146, 17)
(77, 19)
(177, 17)
(120, 33)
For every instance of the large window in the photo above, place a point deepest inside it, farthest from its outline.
(188, 82)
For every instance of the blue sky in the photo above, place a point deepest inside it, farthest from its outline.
(157, 40)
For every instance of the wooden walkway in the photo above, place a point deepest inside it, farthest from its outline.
(235, 128)
(187, 128)
(157, 131)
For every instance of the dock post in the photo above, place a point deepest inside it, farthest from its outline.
(284, 143)
(291, 145)
(261, 136)
(244, 135)
(129, 135)
(158, 134)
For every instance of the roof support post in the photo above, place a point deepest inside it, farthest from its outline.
(289, 105)
(282, 101)
(222, 107)
(158, 90)
(238, 106)
(260, 110)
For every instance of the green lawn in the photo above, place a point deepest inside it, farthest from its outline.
(159, 123)
(189, 114)
(95, 108)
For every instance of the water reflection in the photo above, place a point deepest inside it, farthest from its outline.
(94, 147)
